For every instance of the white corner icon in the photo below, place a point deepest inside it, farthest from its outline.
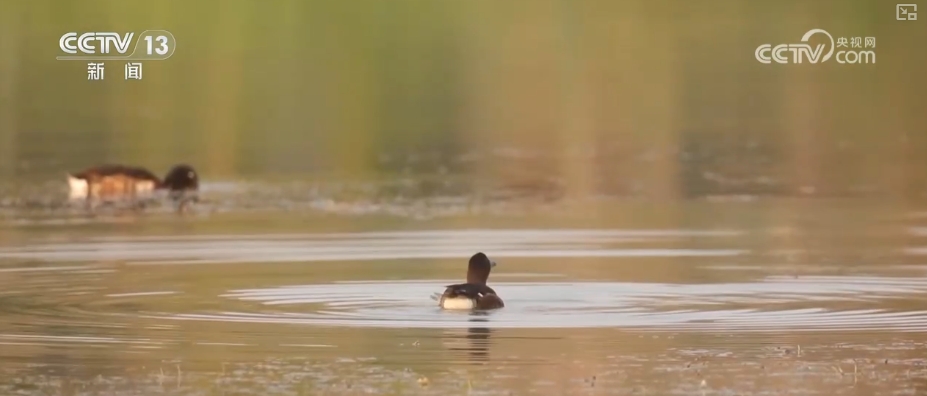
(906, 12)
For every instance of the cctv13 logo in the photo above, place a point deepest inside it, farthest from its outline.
(148, 45)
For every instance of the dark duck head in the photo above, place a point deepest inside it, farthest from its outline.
(181, 178)
(183, 184)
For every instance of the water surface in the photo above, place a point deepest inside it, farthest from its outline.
(708, 300)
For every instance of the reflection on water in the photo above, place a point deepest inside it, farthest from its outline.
(33, 203)
(659, 310)
(368, 246)
(474, 341)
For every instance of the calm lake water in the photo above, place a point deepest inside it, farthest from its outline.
(292, 289)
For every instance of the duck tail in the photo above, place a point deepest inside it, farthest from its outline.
(77, 186)
(75, 181)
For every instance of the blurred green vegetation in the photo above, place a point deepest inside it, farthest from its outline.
(303, 88)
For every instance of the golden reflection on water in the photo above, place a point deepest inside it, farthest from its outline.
(309, 312)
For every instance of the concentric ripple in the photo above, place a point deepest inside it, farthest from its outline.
(773, 304)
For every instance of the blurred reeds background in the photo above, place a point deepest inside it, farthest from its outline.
(606, 96)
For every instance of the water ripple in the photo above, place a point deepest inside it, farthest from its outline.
(771, 304)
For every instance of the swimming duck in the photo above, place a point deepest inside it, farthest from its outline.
(474, 294)
(112, 181)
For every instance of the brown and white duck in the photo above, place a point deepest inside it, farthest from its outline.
(122, 181)
(474, 294)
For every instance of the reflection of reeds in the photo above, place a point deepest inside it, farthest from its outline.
(11, 40)
(628, 95)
